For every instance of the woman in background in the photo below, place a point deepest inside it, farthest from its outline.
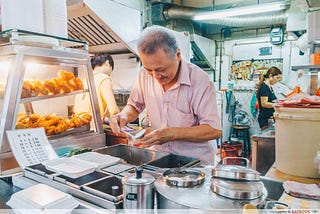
(102, 65)
(266, 97)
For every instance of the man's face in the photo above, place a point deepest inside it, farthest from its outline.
(162, 67)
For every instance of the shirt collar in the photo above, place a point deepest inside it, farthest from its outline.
(184, 73)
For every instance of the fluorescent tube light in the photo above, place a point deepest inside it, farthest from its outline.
(259, 8)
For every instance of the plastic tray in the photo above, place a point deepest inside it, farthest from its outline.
(70, 167)
(42, 197)
(99, 160)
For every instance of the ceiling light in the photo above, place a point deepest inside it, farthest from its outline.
(259, 8)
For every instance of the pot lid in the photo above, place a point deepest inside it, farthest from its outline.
(237, 190)
(183, 177)
(138, 178)
(235, 172)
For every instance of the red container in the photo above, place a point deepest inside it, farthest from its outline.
(239, 149)
(230, 151)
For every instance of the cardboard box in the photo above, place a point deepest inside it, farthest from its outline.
(315, 59)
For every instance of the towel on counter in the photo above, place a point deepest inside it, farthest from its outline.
(300, 204)
(301, 190)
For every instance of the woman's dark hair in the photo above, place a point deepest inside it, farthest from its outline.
(99, 58)
(273, 71)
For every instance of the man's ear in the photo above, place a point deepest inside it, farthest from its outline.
(178, 54)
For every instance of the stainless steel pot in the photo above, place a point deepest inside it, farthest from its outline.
(237, 190)
(236, 182)
(138, 190)
(235, 172)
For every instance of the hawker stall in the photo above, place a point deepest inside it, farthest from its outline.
(59, 154)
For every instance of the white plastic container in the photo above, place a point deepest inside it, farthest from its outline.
(42, 199)
(70, 167)
(297, 137)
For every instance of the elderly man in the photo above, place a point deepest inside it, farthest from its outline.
(178, 96)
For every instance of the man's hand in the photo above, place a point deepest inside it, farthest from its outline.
(158, 136)
(117, 122)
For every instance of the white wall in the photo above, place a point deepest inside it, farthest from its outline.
(125, 72)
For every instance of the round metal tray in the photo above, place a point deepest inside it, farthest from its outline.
(237, 189)
(183, 177)
(235, 172)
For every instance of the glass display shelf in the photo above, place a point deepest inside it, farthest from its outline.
(16, 36)
(42, 78)
(51, 96)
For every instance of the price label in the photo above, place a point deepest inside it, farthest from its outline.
(30, 146)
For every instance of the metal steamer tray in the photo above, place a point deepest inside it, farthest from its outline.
(237, 190)
(235, 172)
(236, 182)
(199, 196)
(183, 177)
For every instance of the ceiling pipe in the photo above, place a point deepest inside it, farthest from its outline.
(257, 20)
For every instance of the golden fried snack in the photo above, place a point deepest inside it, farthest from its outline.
(20, 125)
(61, 126)
(68, 77)
(85, 118)
(26, 89)
(21, 117)
(77, 121)
(51, 86)
(38, 88)
(78, 83)
(61, 85)
(71, 84)
(49, 130)
(49, 116)
(34, 119)
(65, 75)
(53, 122)
(68, 123)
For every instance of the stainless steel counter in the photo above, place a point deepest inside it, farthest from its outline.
(263, 150)
(6, 190)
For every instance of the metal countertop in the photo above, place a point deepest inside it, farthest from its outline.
(6, 191)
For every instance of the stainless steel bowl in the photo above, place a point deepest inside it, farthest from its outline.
(183, 177)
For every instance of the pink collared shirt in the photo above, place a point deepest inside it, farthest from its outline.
(190, 102)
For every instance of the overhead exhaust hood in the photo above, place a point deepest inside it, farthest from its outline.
(107, 26)
(203, 50)
(198, 49)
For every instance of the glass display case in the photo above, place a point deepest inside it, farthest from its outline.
(43, 82)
